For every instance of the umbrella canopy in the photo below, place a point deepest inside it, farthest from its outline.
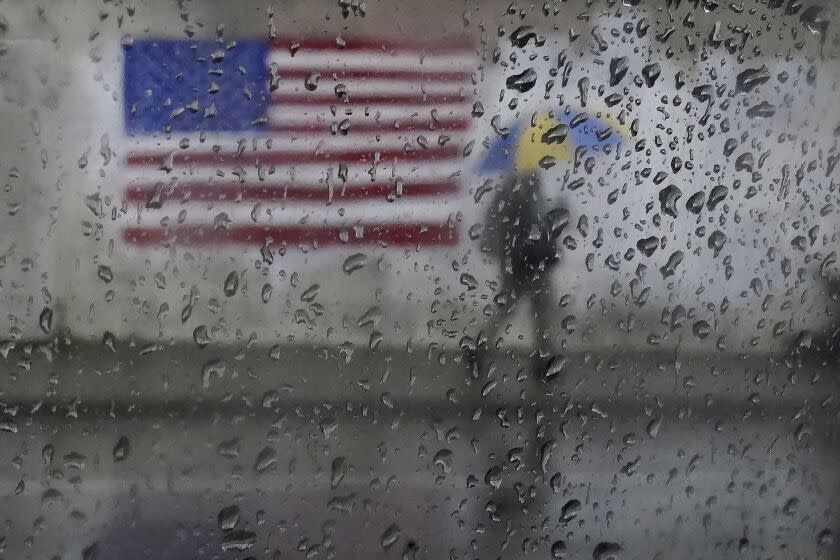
(550, 139)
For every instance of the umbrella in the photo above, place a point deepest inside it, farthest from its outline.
(551, 138)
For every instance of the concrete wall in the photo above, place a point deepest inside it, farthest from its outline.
(63, 99)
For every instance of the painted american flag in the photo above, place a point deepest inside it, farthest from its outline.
(353, 141)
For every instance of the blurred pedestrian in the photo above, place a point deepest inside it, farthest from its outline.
(522, 237)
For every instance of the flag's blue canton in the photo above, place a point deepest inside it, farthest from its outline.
(183, 71)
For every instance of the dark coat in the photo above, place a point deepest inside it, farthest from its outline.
(522, 236)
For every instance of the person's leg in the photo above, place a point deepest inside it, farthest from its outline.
(526, 506)
(543, 305)
(505, 302)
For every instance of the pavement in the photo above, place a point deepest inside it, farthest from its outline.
(323, 452)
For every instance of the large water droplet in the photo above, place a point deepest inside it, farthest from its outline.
(121, 450)
(651, 73)
(558, 549)
(701, 329)
(791, 506)
(670, 267)
(231, 284)
(618, 68)
(825, 537)
(763, 110)
(267, 459)
(228, 518)
(238, 540)
(522, 82)
(200, 336)
(45, 320)
(653, 427)
(716, 241)
(814, 21)
(311, 81)
(339, 470)
(717, 195)
(648, 245)
(47, 454)
(607, 551)
(570, 510)
(354, 262)
(556, 134)
(751, 77)
(668, 200)
(390, 536)
(443, 459)
(213, 368)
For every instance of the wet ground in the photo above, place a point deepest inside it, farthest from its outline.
(328, 452)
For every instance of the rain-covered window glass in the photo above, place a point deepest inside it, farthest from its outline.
(419, 280)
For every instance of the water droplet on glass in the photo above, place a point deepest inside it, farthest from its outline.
(105, 273)
(570, 510)
(716, 241)
(493, 477)
(121, 450)
(265, 293)
(200, 336)
(354, 262)
(311, 81)
(751, 77)
(648, 245)
(791, 506)
(522, 82)
(668, 200)
(51, 496)
(701, 329)
(339, 470)
(650, 73)
(825, 537)
(45, 320)
(762, 110)
(238, 540)
(521, 35)
(717, 195)
(618, 68)
(231, 284)
(229, 448)
(556, 134)
(669, 268)
(558, 549)
(228, 518)
(47, 453)
(607, 551)
(555, 365)
(814, 21)
(390, 536)
(267, 459)
(443, 459)
(213, 368)
(91, 552)
(583, 90)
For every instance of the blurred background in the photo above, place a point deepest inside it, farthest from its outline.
(419, 280)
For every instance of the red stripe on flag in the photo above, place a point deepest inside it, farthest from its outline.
(417, 75)
(214, 192)
(147, 159)
(391, 125)
(370, 99)
(393, 234)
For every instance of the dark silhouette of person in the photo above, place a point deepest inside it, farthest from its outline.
(523, 240)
